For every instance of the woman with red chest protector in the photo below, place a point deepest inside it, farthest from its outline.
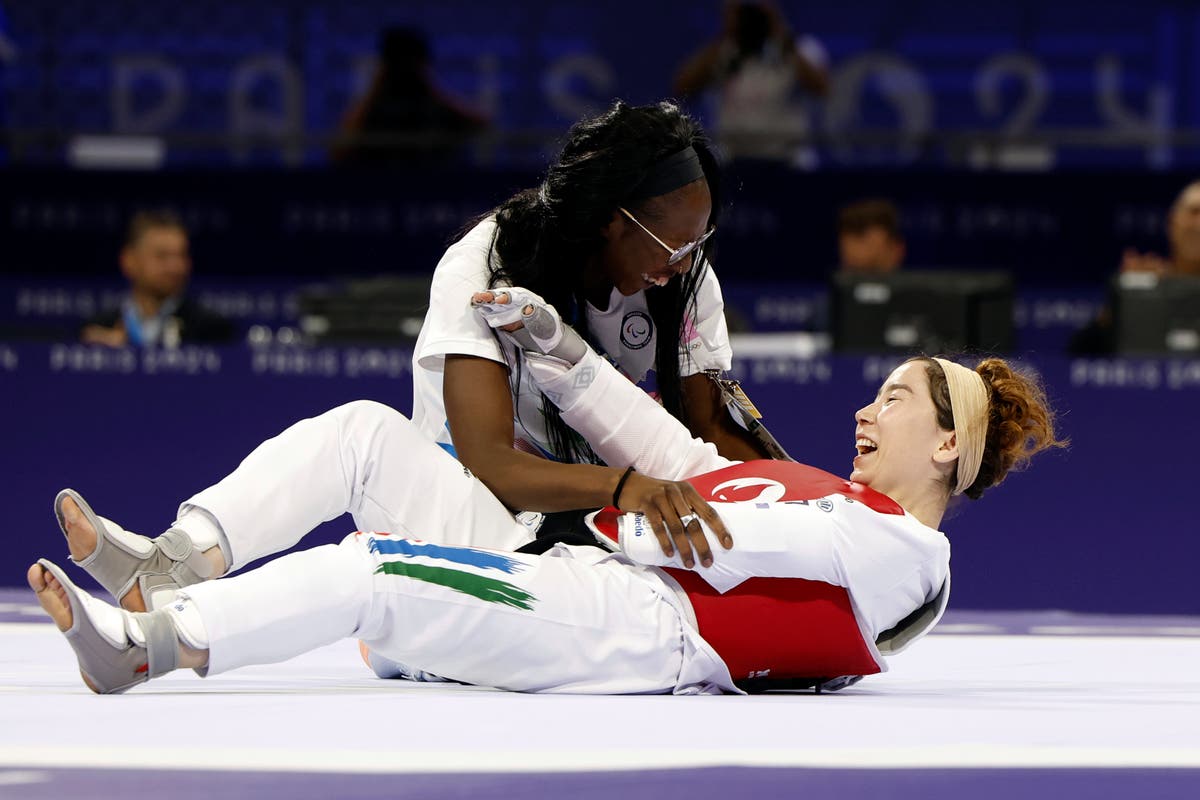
(802, 576)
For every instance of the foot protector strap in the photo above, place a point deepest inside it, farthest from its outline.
(162, 644)
(109, 666)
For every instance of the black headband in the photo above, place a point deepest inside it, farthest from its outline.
(674, 171)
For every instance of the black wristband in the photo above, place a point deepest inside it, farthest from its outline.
(620, 485)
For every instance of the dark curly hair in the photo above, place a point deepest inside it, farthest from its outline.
(544, 235)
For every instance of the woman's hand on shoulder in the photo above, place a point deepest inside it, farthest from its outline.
(672, 509)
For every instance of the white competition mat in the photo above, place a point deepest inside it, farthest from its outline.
(1060, 695)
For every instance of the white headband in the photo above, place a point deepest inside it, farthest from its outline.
(969, 400)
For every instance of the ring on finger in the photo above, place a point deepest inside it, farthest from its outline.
(688, 519)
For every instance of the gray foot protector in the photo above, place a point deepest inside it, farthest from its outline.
(121, 558)
(114, 667)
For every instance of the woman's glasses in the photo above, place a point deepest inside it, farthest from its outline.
(677, 253)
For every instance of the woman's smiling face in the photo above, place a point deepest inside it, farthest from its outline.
(633, 261)
(900, 445)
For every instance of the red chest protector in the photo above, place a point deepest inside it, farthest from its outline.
(781, 629)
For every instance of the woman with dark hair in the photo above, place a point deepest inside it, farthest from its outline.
(588, 239)
(615, 238)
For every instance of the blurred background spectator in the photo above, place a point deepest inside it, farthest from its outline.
(757, 70)
(1183, 239)
(869, 237)
(156, 311)
(1182, 225)
(406, 116)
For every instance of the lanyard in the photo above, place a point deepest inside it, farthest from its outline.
(133, 323)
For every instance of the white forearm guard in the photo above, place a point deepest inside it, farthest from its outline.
(622, 423)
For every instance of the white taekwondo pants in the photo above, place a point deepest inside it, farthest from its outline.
(573, 620)
(363, 458)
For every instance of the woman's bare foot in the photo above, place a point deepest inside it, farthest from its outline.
(81, 541)
(81, 536)
(53, 599)
(51, 595)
